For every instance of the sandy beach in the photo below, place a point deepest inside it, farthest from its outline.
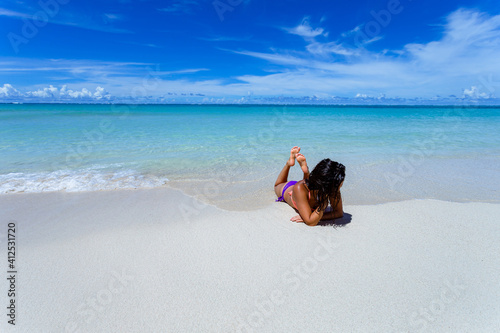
(143, 145)
(160, 261)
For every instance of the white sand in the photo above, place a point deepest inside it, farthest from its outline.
(158, 261)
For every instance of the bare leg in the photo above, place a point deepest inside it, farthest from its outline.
(303, 165)
(283, 176)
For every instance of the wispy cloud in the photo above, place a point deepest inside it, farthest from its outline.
(113, 17)
(305, 30)
(457, 63)
(226, 39)
(13, 65)
(320, 48)
(11, 13)
(75, 20)
(355, 30)
(119, 77)
(324, 49)
(182, 71)
(141, 44)
(180, 7)
(466, 51)
(88, 24)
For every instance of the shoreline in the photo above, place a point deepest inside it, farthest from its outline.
(141, 260)
(242, 203)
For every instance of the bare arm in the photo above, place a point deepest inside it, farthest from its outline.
(309, 217)
(336, 212)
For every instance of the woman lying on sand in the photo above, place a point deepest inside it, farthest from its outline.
(310, 196)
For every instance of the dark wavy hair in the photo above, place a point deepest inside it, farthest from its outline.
(326, 178)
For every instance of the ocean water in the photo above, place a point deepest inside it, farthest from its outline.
(231, 155)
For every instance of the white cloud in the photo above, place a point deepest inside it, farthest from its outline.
(305, 30)
(475, 93)
(353, 31)
(8, 91)
(113, 17)
(49, 92)
(465, 55)
(100, 93)
(84, 93)
(358, 95)
(52, 93)
(323, 49)
(317, 48)
(72, 19)
(11, 13)
(471, 39)
(180, 7)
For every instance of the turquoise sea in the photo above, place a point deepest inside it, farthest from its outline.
(230, 154)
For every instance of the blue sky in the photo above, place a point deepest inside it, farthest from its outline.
(243, 50)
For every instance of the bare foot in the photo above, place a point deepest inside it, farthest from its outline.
(302, 162)
(293, 153)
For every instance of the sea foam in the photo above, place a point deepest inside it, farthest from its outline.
(90, 179)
